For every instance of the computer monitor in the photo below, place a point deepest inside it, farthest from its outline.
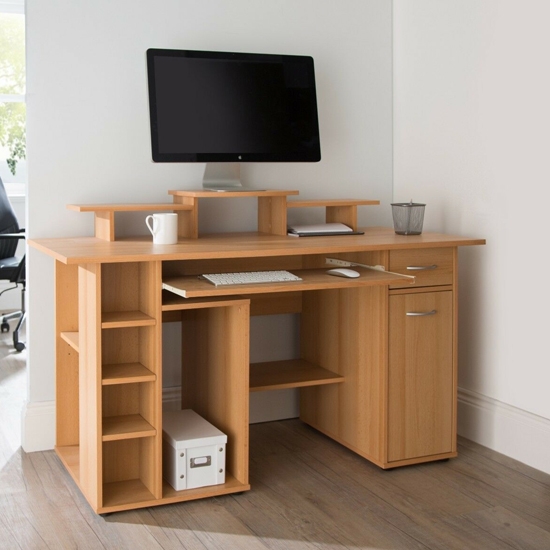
(222, 107)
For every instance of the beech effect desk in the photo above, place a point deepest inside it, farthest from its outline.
(377, 368)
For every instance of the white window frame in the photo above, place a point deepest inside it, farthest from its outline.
(13, 6)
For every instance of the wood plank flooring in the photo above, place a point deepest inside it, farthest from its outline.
(308, 492)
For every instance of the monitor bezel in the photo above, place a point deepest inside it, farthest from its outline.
(312, 155)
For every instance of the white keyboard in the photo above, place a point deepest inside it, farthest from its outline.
(250, 277)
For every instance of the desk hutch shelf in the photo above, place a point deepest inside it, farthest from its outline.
(272, 210)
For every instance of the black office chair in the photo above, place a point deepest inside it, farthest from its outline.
(12, 267)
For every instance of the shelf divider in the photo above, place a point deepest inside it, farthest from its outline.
(122, 319)
(126, 373)
(129, 426)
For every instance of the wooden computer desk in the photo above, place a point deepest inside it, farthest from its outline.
(377, 369)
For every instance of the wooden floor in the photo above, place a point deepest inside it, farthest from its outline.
(307, 493)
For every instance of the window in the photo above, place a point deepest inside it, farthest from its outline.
(12, 93)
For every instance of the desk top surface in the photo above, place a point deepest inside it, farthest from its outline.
(80, 250)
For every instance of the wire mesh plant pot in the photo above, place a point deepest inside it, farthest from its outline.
(408, 217)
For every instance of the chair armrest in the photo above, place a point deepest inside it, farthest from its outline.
(12, 236)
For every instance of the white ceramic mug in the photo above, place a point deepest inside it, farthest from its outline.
(163, 227)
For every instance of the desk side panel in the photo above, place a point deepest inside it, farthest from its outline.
(215, 375)
(89, 282)
(344, 331)
(66, 378)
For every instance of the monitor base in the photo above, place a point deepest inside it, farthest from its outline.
(222, 176)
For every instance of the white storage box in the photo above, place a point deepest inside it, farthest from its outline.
(193, 451)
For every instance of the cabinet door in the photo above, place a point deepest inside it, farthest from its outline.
(421, 380)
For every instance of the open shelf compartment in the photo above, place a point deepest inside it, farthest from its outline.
(215, 378)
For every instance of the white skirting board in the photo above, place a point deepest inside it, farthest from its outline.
(508, 430)
(38, 426)
(491, 423)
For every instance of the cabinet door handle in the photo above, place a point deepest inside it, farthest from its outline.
(421, 313)
(421, 267)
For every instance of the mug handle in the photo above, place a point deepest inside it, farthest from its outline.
(151, 229)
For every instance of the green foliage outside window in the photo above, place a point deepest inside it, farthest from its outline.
(12, 83)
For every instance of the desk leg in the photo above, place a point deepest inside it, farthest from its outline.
(188, 220)
(272, 217)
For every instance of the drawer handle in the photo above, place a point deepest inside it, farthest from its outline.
(421, 313)
(421, 267)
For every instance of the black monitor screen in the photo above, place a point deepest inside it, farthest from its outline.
(232, 107)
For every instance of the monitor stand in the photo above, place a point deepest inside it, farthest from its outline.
(222, 176)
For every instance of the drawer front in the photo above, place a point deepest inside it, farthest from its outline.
(430, 266)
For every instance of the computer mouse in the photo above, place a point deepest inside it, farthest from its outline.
(343, 272)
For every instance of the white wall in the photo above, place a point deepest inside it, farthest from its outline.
(471, 139)
(88, 134)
